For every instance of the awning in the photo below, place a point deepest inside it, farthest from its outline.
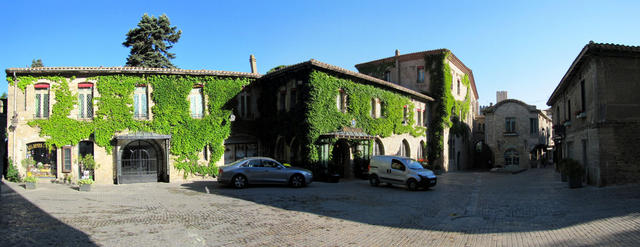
(348, 133)
(143, 136)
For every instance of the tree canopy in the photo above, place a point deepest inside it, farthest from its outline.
(150, 42)
(36, 63)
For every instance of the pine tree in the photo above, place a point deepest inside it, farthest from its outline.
(36, 63)
(150, 42)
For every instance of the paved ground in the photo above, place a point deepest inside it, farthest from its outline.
(465, 209)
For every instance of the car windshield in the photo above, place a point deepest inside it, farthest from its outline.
(414, 165)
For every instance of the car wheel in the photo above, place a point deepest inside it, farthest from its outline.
(239, 181)
(412, 184)
(374, 180)
(297, 181)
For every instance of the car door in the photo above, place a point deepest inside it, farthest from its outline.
(255, 171)
(397, 172)
(274, 171)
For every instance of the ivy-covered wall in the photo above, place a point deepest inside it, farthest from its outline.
(114, 113)
(447, 110)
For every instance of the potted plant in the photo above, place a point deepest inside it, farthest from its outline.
(30, 182)
(574, 171)
(85, 184)
(87, 163)
(560, 168)
(437, 169)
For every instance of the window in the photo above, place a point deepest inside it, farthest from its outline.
(397, 165)
(293, 98)
(270, 164)
(582, 96)
(66, 159)
(42, 100)
(374, 106)
(558, 113)
(405, 115)
(511, 157)
(244, 105)
(140, 103)
(420, 74)
(419, 115)
(425, 116)
(342, 101)
(533, 123)
(569, 110)
(196, 103)
(422, 151)
(387, 75)
(282, 100)
(85, 101)
(458, 86)
(510, 125)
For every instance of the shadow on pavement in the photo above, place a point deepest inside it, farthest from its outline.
(469, 202)
(24, 224)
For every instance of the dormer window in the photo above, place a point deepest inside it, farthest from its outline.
(244, 105)
(341, 101)
(196, 103)
(420, 75)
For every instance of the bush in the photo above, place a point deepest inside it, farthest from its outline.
(30, 179)
(12, 173)
(85, 181)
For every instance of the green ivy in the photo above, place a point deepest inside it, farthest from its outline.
(171, 115)
(25, 81)
(447, 107)
(324, 116)
(376, 69)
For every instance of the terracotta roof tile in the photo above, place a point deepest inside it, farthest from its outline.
(127, 70)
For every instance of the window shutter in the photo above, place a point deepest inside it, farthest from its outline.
(45, 108)
(81, 105)
(38, 103)
(136, 106)
(89, 105)
(145, 103)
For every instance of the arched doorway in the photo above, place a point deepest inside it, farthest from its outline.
(482, 156)
(341, 159)
(404, 149)
(279, 152)
(44, 161)
(140, 162)
(378, 147)
(294, 152)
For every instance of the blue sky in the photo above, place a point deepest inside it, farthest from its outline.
(523, 47)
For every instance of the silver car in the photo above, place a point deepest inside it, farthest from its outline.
(262, 170)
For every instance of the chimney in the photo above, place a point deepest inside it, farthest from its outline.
(397, 64)
(500, 96)
(252, 62)
(397, 52)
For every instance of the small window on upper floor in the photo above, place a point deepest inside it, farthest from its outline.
(41, 100)
(510, 125)
(140, 103)
(282, 100)
(342, 101)
(420, 74)
(387, 75)
(85, 101)
(244, 105)
(405, 115)
(196, 103)
(293, 98)
(419, 116)
(458, 86)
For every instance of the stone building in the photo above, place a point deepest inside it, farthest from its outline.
(517, 134)
(66, 103)
(332, 120)
(439, 74)
(596, 113)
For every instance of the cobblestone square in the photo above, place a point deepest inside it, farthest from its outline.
(532, 208)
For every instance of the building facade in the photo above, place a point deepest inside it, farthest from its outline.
(597, 113)
(441, 75)
(517, 134)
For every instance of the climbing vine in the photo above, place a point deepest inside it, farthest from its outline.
(25, 81)
(323, 115)
(171, 115)
(376, 69)
(447, 107)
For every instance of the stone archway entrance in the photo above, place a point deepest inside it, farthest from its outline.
(342, 159)
(142, 157)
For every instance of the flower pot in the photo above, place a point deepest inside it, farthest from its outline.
(85, 187)
(29, 185)
(575, 181)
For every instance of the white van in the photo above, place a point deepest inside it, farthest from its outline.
(400, 171)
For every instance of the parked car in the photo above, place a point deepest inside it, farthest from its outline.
(399, 170)
(262, 170)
